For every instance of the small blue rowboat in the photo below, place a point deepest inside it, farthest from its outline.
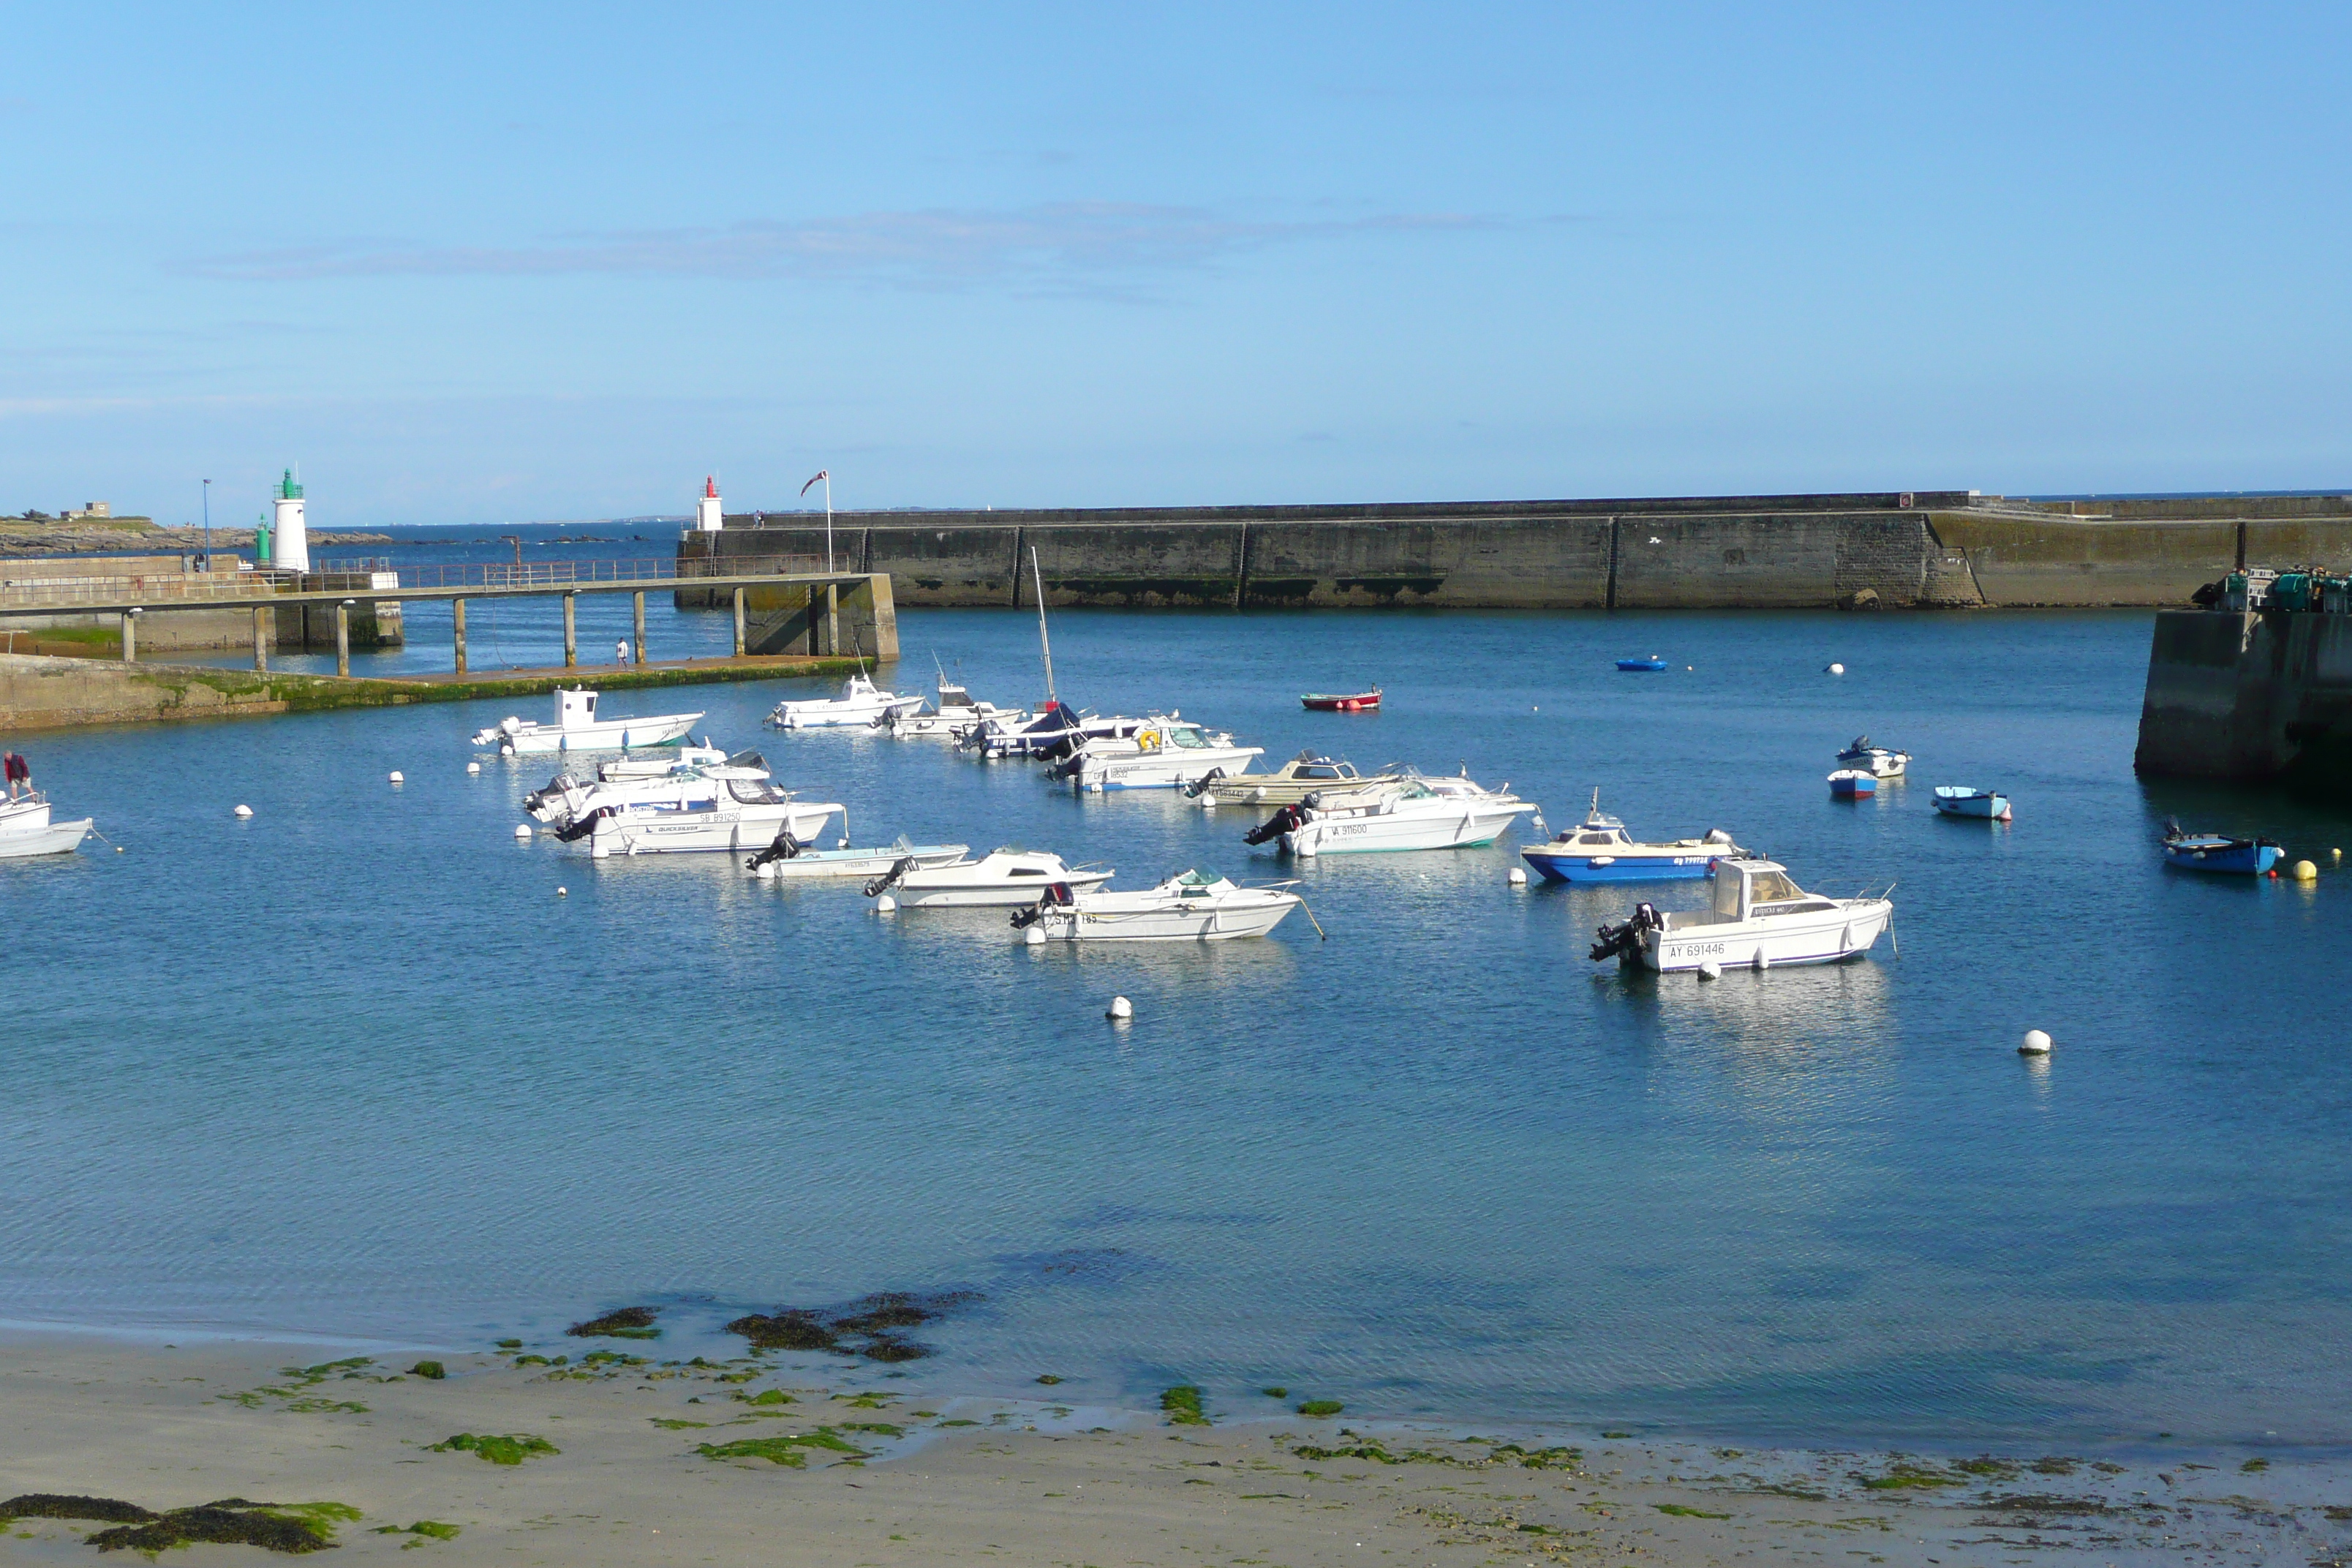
(1979, 804)
(1653, 662)
(2218, 852)
(1853, 784)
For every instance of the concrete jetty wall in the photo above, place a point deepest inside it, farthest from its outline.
(1918, 550)
(2248, 697)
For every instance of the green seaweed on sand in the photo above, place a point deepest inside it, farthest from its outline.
(1985, 1464)
(765, 1396)
(882, 1427)
(792, 1449)
(671, 1424)
(1617, 1437)
(232, 1521)
(623, 1323)
(532, 1360)
(509, 1449)
(1553, 1458)
(1183, 1403)
(428, 1526)
(1679, 1511)
(431, 1371)
(1905, 1475)
(510, 1344)
(1275, 1392)
(1048, 1379)
(1779, 1488)
(2255, 1466)
(960, 1421)
(1321, 1407)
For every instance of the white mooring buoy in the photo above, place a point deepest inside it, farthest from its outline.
(522, 830)
(396, 778)
(1710, 970)
(1837, 669)
(2035, 1044)
(563, 892)
(1120, 1008)
(1519, 879)
(885, 905)
(1033, 937)
(599, 851)
(243, 811)
(473, 767)
(506, 750)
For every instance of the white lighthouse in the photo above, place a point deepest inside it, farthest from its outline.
(289, 540)
(707, 518)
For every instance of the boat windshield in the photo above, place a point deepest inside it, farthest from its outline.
(747, 760)
(1186, 735)
(1321, 771)
(756, 792)
(1772, 888)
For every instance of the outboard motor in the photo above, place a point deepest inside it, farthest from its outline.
(877, 886)
(1194, 790)
(1622, 942)
(783, 846)
(1058, 895)
(1275, 826)
(580, 828)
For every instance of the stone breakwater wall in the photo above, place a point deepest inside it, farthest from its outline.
(1920, 549)
(2250, 697)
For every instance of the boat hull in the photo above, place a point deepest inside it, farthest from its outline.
(1351, 703)
(1232, 920)
(943, 893)
(2233, 859)
(1462, 829)
(814, 864)
(1853, 785)
(831, 713)
(620, 735)
(1975, 808)
(732, 827)
(1848, 931)
(1168, 769)
(1555, 866)
(49, 839)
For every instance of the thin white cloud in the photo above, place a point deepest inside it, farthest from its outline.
(1067, 245)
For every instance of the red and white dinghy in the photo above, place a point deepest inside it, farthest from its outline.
(1341, 701)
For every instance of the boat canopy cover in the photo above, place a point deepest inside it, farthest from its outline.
(747, 760)
(1198, 879)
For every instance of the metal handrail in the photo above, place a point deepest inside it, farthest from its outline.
(47, 591)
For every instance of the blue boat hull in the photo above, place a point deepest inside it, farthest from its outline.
(2236, 859)
(1854, 789)
(1558, 868)
(1641, 664)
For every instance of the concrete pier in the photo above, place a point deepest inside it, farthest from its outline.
(2250, 697)
(1924, 549)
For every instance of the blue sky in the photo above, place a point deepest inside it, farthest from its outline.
(472, 264)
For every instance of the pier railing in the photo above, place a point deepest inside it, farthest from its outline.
(446, 576)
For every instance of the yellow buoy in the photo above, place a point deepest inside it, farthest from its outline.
(2304, 871)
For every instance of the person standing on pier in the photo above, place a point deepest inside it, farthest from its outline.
(621, 652)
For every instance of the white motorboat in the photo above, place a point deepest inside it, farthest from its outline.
(1758, 918)
(1878, 761)
(660, 765)
(1000, 876)
(860, 703)
(565, 798)
(577, 728)
(953, 709)
(689, 813)
(1307, 773)
(27, 829)
(1407, 813)
(1160, 754)
(1192, 905)
(791, 859)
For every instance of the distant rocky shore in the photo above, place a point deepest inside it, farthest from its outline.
(116, 536)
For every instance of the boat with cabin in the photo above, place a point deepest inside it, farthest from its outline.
(28, 828)
(1600, 849)
(577, 727)
(1192, 905)
(951, 710)
(1758, 917)
(1160, 754)
(860, 703)
(661, 764)
(2218, 852)
(1879, 762)
(700, 812)
(1976, 805)
(1307, 773)
(566, 797)
(1408, 811)
(790, 857)
(1000, 878)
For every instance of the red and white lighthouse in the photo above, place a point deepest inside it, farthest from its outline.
(707, 518)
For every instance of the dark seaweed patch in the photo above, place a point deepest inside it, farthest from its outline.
(57, 1505)
(869, 1327)
(432, 1371)
(625, 1323)
(231, 1522)
(2038, 1502)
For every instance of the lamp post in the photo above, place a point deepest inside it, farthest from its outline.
(827, 475)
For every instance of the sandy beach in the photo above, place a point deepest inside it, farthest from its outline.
(745, 1462)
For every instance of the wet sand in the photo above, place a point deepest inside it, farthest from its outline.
(888, 1477)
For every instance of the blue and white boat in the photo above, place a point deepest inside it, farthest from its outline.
(2218, 852)
(1980, 805)
(1653, 662)
(1598, 850)
(1853, 784)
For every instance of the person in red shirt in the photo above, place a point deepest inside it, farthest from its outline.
(20, 774)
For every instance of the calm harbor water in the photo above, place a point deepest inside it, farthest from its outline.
(353, 1068)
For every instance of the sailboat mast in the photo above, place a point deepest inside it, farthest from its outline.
(1044, 646)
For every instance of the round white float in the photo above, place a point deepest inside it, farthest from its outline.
(600, 851)
(563, 892)
(243, 811)
(1519, 879)
(505, 751)
(522, 830)
(1033, 937)
(1837, 669)
(2035, 1044)
(1761, 963)
(885, 905)
(1120, 1008)
(1710, 970)
(473, 767)
(396, 778)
